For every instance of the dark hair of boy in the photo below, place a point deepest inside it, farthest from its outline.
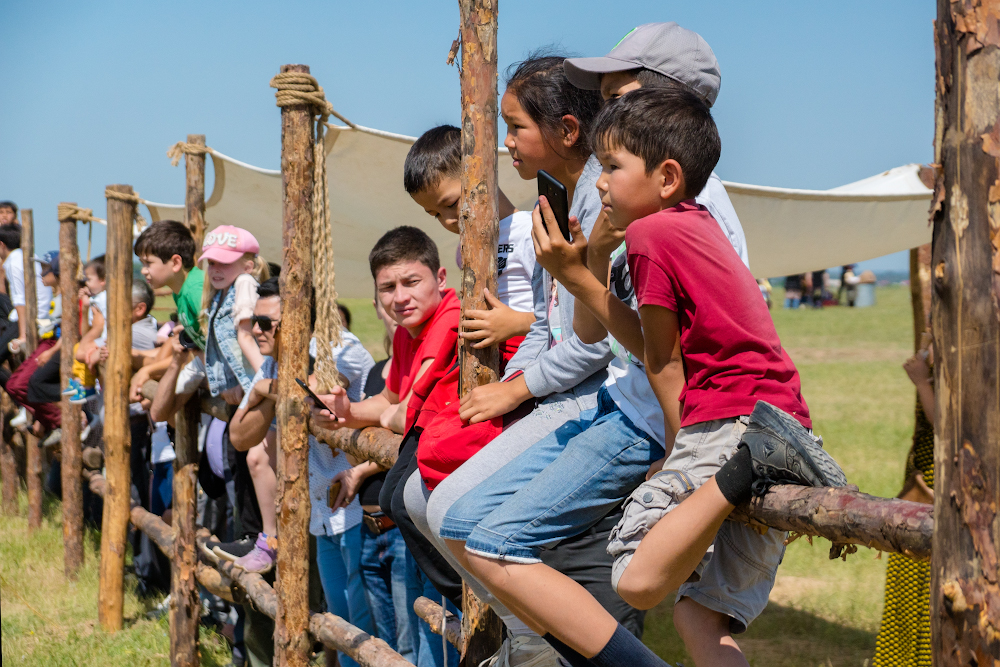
(404, 244)
(274, 269)
(97, 265)
(167, 238)
(433, 156)
(546, 95)
(10, 235)
(271, 287)
(345, 315)
(143, 293)
(9, 204)
(660, 124)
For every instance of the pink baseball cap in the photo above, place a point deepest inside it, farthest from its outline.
(226, 244)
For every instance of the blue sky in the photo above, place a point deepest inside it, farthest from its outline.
(814, 95)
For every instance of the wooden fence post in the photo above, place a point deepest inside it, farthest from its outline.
(479, 225)
(32, 446)
(965, 591)
(194, 201)
(71, 462)
(291, 639)
(8, 461)
(185, 604)
(117, 432)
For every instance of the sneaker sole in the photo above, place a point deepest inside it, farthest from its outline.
(261, 571)
(224, 555)
(821, 462)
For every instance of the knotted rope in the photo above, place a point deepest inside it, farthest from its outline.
(294, 88)
(182, 148)
(66, 212)
(140, 222)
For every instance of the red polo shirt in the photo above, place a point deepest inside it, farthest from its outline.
(438, 341)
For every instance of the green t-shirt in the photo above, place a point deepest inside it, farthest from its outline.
(189, 305)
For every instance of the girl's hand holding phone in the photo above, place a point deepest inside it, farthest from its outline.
(563, 260)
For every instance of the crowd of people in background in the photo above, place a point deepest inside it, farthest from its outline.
(644, 392)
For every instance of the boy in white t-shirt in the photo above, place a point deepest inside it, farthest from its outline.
(13, 266)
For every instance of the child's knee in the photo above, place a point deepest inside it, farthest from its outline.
(257, 459)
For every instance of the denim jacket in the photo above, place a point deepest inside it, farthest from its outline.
(225, 365)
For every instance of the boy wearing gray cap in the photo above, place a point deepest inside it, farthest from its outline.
(664, 55)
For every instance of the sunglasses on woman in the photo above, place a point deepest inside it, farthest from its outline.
(264, 322)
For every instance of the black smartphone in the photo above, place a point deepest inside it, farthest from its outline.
(310, 393)
(555, 192)
(186, 341)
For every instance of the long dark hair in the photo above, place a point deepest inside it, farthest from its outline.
(543, 91)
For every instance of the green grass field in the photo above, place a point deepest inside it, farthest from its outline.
(822, 612)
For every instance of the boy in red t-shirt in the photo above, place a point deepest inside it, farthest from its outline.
(701, 341)
(411, 286)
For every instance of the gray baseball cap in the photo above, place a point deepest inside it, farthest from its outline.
(666, 48)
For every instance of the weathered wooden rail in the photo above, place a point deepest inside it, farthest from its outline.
(233, 584)
(843, 516)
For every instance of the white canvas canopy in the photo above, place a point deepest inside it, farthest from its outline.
(788, 231)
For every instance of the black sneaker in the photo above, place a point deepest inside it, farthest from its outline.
(784, 452)
(231, 550)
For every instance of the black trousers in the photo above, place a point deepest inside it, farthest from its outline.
(441, 574)
(246, 513)
(45, 384)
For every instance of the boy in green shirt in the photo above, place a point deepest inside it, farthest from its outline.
(166, 250)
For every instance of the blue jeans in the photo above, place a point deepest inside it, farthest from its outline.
(383, 572)
(338, 558)
(429, 649)
(162, 487)
(557, 488)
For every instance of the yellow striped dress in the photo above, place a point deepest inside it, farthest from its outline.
(904, 640)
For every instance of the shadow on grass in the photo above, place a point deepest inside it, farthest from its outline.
(780, 637)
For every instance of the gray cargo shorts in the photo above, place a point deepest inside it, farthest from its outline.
(737, 573)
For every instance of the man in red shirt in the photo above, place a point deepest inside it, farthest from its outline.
(411, 286)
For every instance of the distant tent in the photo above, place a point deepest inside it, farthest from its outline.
(788, 231)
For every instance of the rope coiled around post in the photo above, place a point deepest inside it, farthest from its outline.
(134, 198)
(293, 89)
(182, 148)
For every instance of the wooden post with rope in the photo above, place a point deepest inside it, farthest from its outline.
(32, 446)
(194, 200)
(71, 463)
(185, 603)
(965, 558)
(117, 433)
(291, 623)
(479, 228)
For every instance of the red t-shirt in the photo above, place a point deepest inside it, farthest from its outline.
(446, 441)
(438, 341)
(679, 259)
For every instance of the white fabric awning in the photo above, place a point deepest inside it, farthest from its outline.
(795, 231)
(788, 231)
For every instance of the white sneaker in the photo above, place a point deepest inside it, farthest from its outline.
(54, 438)
(20, 419)
(523, 651)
